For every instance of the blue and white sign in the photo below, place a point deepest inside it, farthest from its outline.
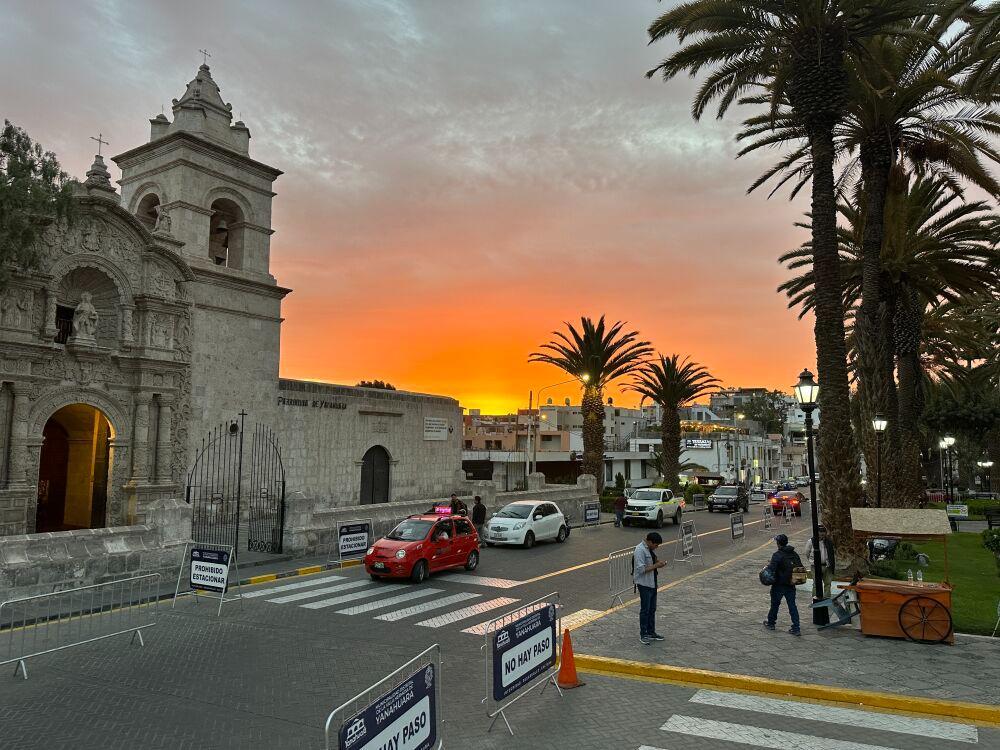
(405, 718)
(591, 512)
(209, 570)
(523, 650)
(354, 538)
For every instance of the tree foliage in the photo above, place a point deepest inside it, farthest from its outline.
(384, 385)
(34, 191)
(769, 409)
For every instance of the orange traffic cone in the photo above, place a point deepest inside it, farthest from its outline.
(567, 678)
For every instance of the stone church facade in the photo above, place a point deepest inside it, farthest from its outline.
(153, 317)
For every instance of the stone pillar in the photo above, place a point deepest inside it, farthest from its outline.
(128, 340)
(19, 436)
(164, 441)
(140, 439)
(49, 331)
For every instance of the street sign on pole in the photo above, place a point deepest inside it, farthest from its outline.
(736, 530)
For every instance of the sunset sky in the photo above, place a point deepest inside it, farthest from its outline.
(460, 178)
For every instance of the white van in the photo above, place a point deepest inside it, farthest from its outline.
(652, 505)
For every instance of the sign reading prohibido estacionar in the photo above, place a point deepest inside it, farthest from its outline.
(736, 525)
(523, 650)
(354, 539)
(402, 719)
(209, 570)
(591, 512)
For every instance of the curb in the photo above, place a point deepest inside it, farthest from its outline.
(268, 577)
(977, 712)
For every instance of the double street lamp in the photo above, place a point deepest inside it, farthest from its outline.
(946, 443)
(987, 465)
(807, 394)
(879, 423)
(534, 422)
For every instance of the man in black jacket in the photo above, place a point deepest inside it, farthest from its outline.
(782, 562)
(478, 514)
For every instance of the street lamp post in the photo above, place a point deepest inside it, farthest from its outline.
(585, 378)
(879, 423)
(949, 441)
(986, 465)
(806, 393)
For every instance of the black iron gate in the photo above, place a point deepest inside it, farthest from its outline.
(236, 498)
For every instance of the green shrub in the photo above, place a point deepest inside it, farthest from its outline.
(885, 569)
(620, 482)
(991, 540)
(906, 552)
(692, 489)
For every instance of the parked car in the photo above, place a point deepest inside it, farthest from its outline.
(424, 544)
(729, 497)
(524, 522)
(790, 499)
(653, 505)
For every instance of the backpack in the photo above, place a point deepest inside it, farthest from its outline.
(793, 570)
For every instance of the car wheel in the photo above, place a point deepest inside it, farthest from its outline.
(489, 544)
(677, 518)
(563, 533)
(529, 540)
(375, 577)
(626, 522)
(659, 520)
(472, 561)
(419, 573)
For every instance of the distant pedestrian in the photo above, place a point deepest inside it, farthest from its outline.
(827, 558)
(478, 514)
(784, 560)
(619, 509)
(458, 508)
(644, 574)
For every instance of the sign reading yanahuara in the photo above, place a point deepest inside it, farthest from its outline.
(405, 718)
(523, 650)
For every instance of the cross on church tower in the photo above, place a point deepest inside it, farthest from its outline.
(205, 54)
(100, 142)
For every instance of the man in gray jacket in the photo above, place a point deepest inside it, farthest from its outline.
(644, 567)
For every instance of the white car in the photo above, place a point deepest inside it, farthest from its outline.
(526, 522)
(653, 506)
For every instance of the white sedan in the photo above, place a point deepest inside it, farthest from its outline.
(525, 522)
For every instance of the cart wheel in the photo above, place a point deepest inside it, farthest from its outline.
(924, 620)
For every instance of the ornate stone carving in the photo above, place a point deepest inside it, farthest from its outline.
(85, 320)
(162, 225)
(15, 308)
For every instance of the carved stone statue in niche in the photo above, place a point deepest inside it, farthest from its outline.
(15, 308)
(162, 225)
(161, 331)
(85, 320)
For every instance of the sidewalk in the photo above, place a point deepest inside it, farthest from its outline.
(715, 618)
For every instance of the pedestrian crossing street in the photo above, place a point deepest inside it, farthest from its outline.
(823, 727)
(444, 600)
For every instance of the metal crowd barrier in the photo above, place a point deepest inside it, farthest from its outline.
(34, 625)
(620, 574)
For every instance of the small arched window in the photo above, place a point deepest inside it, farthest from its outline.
(225, 239)
(148, 210)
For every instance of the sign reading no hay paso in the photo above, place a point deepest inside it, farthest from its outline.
(400, 711)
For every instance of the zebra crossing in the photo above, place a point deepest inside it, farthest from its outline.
(829, 727)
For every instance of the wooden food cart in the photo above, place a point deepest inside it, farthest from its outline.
(920, 611)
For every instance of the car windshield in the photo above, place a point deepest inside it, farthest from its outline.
(726, 491)
(514, 510)
(410, 531)
(646, 495)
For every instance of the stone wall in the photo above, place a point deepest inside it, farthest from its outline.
(311, 528)
(41, 563)
(324, 431)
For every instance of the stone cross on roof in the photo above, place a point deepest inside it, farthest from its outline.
(205, 54)
(100, 142)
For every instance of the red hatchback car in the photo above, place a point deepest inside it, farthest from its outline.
(790, 499)
(422, 545)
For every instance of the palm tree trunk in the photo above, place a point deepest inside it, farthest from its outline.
(907, 335)
(593, 433)
(670, 438)
(838, 455)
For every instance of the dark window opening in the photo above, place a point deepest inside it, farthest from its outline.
(64, 323)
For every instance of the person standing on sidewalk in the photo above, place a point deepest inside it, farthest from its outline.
(619, 510)
(644, 574)
(827, 558)
(478, 514)
(782, 563)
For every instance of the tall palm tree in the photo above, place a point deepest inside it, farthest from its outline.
(937, 250)
(597, 354)
(911, 102)
(796, 53)
(670, 384)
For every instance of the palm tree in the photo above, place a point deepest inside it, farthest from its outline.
(796, 53)
(596, 354)
(670, 384)
(937, 251)
(910, 103)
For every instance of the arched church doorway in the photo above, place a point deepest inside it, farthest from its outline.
(73, 470)
(375, 476)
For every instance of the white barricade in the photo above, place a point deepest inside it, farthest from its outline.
(405, 703)
(34, 625)
(209, 568)
(687, 541)
(768, 524)
(699, 502)
(520, 652)
(620, 574)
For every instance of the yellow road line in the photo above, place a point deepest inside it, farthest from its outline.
(261, 579)
(309, 570)
(975, 712)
